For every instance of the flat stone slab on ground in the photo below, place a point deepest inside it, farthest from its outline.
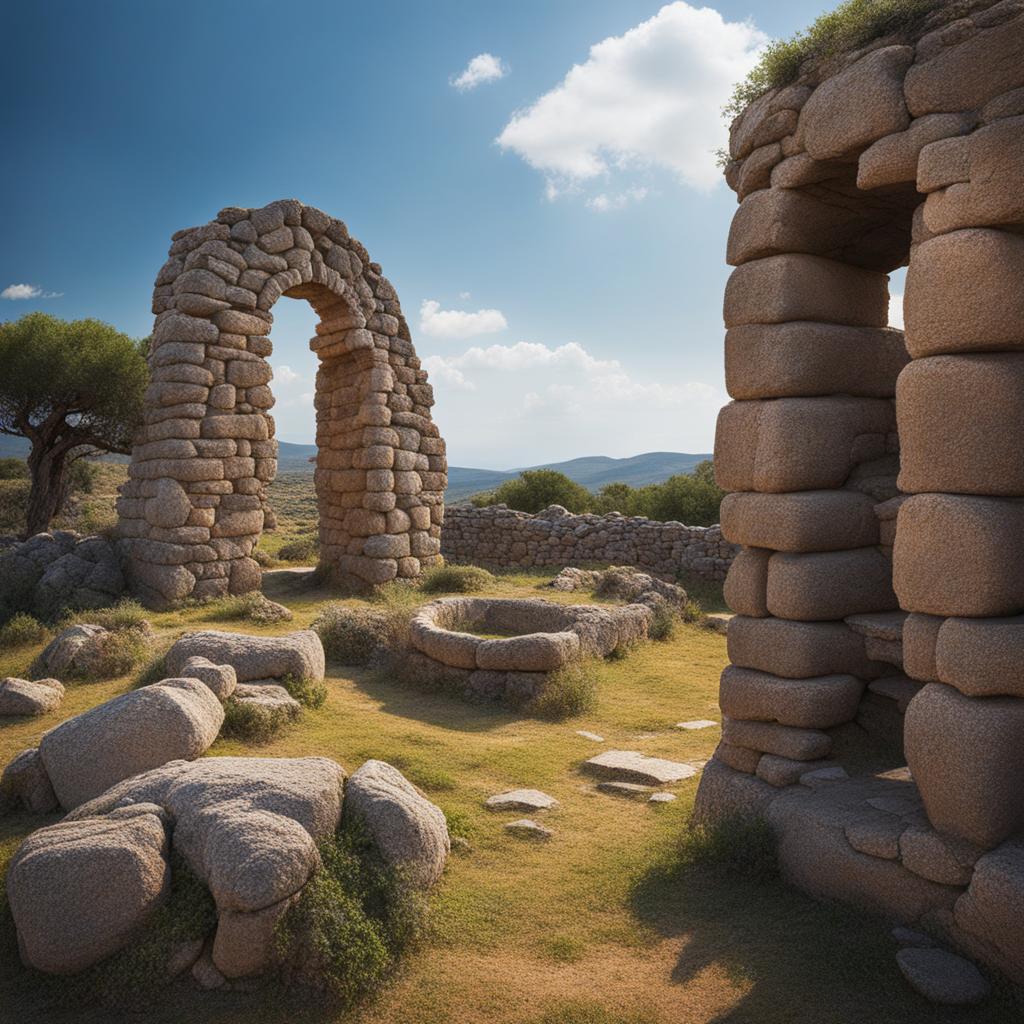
(942, 977)
(823, 776)
(661, 798)
(520, 800)
(632, 766)
(697, 723)
(592, 736)
(628, 789)
(528, 829)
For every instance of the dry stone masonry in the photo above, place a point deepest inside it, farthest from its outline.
(195, 502)
(876, 478)
(498, 536)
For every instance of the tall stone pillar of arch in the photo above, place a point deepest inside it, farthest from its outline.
(194, 505)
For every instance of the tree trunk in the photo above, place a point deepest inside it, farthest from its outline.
(47, 491)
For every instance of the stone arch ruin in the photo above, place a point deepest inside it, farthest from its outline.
(877, 479)
(195, 502)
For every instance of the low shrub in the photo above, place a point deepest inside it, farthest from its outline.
(355, 916)
(456, 579)
(13, 469)
(308, 693)
(664, 621)
(570, 691)
(252, 724)
(359, 636)
(111, 654)
(253, 607)
(21, 630)
(13, 502)
(261, 558)
(302, 549)
(126, 614)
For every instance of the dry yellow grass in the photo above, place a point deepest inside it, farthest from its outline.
(601, 925)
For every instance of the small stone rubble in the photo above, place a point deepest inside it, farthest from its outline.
(498, 536)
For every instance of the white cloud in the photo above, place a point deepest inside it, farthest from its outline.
(603, 202)
(527, 403)
(484, 67)
(458, 323)
(464, 296)
(651, 97)
(15, 292)
(286, 375)
(896, 310)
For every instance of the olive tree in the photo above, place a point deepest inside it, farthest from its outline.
(71, 389)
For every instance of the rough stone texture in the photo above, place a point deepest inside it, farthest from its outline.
(58, 571)
(942, 977)
(73, 651)
(805, 360)
(953, 413)
(930, 575)
(893, 159)
(300, 654)
(746, 586)
(269, 698)
(980, 743)
(520, 800)
(527, 828)
(781, 740)
(79, 889)
(632, 766)
(129, 734)
(829, 585)
(981, 657)
(815, 703)
(410, 832)
(24, 783)
(498, 536)
(920, 635)
(221, 679)
(860, 105)
(726, 793)
(212, 304)
(965, 292)
(21, 697)
(802, 521)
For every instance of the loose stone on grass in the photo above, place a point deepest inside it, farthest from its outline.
(661, 798)
(942, 977)
(521, 800)
(526, 828)
(697, 723)
(592, 736)
(632, 766)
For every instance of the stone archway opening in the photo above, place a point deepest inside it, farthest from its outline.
(193, 507)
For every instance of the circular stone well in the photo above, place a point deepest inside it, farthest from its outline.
(535, 638)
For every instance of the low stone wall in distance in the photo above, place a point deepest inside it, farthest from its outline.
(497, 536)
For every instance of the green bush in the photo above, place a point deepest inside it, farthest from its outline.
(850, 26)
(13, 502)
(353, 920)
(252, 607)
(664, 622)
(536, 489)
(456, 579)
(252, 724)
(569, 691)
(308, 693)
(115, 654)
(302, 549)
(126, 614)
(21, 630)
(13, 469)
(358, 636)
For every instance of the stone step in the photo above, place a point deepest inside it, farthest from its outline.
(520, 800)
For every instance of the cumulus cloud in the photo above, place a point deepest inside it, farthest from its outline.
(484, 67)
(286, 375)
(507, 405)
(896, 310)
(603, 202)
(651, 97)
(16, 292)
(458, 323)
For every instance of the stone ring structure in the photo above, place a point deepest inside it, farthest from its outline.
(195, 502)
(538, 638)
(876, 475)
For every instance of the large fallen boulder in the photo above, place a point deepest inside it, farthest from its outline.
(78, 890)
(410, 832)
(248, 828)
(73, 652)
(22, 697)
(254, 658)
(25, 784)
(139, 730)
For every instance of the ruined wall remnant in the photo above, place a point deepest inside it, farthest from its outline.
(194, 505)
(500, 537)
(877, 479)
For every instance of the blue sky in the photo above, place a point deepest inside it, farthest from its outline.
(586, 248)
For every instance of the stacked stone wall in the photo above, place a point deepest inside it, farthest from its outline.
(859, 459)
(195, 502)
(498, 536)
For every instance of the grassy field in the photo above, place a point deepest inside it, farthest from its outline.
(608, 923)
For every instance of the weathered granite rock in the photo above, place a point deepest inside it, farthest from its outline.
(942, 977)
(24, 783)
(632, 766)
(300, 654)
(410, 832)
(21, 697)
(221, 679)
(73, 651)
(139, 730)
(521, 800)
(79, 889)
(527, 828)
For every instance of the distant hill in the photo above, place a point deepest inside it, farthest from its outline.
(592, 471)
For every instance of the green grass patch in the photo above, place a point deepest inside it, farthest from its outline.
(456, 579)
(570, 691)
(126, 614)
